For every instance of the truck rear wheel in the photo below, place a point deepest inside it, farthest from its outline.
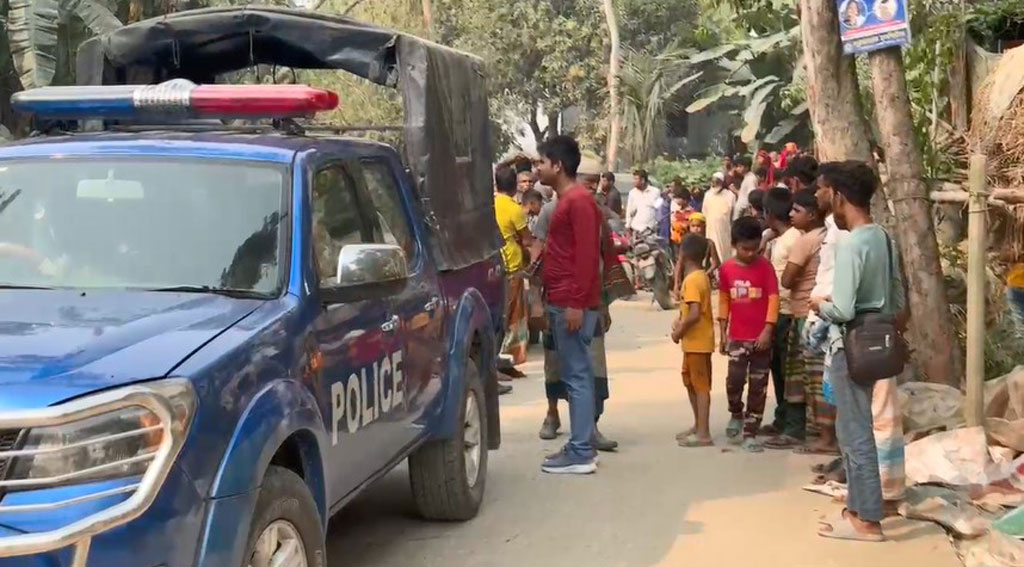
(448, 476)
(285, 529)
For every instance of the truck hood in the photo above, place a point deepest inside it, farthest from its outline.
(56, 345)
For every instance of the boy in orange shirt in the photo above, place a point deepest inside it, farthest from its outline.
(695, 329)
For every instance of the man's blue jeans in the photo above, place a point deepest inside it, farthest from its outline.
(573, 349)
(854, 429)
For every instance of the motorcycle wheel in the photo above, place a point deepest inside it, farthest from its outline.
(661, 291)
(631, 275)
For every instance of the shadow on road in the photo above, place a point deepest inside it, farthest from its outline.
(652, 504)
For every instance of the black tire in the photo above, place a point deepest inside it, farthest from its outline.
(437, 470)
(285, 496)
(661, 291)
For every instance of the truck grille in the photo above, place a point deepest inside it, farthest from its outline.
(8, 442)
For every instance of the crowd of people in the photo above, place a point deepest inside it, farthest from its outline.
(796, 258)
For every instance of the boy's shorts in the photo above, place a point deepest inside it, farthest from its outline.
(697, 371)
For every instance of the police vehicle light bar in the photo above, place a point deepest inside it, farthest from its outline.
(175, 98)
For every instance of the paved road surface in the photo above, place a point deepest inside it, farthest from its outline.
(652, 504)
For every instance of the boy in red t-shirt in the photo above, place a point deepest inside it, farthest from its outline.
(748, 308)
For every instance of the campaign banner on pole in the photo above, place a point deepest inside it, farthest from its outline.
(868, 25)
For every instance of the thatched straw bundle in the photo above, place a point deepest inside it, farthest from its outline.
(997, 128)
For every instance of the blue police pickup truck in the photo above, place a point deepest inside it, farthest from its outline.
(213, 333)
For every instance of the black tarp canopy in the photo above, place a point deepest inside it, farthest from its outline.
(447, 138)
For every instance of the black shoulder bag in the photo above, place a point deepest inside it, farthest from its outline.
(875, 349)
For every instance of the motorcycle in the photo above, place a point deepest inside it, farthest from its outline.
(654, 266)
(621, 245)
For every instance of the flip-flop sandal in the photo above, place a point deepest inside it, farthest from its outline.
(841, 528)
(812, 450)
(752, 445)
(781, 442)
(694, 441)
(832, 518)
(682, 435)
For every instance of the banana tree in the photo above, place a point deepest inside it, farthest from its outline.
(765, 72)
(32, 33)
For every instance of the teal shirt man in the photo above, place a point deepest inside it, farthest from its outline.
(865, 279)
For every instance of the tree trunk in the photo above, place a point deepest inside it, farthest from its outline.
(428, 15)
(833, 95)
(936, 350)
(552, 128)
(538, 134)
(136, 11)
(612, 148)
(840, 131)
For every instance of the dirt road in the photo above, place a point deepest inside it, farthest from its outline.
(652, 504)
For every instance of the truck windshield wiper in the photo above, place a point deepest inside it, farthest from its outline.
(229, 292)
(17, 286)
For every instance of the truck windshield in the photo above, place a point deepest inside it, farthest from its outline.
(142, 223)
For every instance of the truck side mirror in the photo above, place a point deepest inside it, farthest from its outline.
(364, 264)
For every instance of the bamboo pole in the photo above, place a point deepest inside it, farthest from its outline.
(977, 215)
(995, 196)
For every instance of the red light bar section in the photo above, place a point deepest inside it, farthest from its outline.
(242, 101)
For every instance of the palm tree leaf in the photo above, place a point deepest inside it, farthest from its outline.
(683, 82)
(32, 33)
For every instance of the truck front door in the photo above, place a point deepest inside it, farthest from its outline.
(418, 305)
(362, 385)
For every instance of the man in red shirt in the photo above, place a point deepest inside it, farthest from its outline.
(572, 283)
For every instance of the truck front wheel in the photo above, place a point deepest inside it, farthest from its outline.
(285, 529)
(448, 476)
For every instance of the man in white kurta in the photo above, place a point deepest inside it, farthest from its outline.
(717, 209)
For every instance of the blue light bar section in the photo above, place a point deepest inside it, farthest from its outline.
(115, 101)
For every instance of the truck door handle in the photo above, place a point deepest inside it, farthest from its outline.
(390, 325)
(433, 304)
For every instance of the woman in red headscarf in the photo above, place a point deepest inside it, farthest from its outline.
(765, 169)
(789, 151)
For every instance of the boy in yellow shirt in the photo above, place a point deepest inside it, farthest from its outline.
(695, 329)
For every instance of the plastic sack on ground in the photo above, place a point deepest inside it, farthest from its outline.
(946, 507)
(958, 458)
(1004, 410)
(930, 406)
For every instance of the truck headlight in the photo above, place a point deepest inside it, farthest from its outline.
(115, 444)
